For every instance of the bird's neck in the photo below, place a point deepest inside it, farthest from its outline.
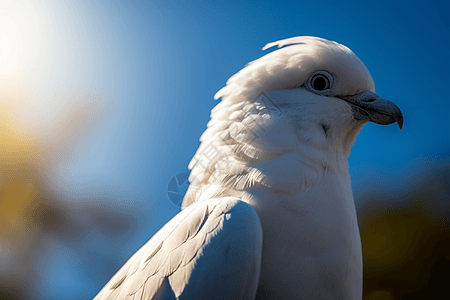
(283, 176)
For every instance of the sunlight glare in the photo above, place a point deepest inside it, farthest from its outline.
(21, 33)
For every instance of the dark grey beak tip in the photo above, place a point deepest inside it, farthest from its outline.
(399, 120)
(398, 117)
(400, 123)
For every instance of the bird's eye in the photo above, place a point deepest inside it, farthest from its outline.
(320, 82)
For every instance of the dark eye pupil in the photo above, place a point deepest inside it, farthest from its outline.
(319, 83)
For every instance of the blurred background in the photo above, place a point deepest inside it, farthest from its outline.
(102, 104)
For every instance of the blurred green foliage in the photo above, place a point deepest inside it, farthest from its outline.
(406, 237)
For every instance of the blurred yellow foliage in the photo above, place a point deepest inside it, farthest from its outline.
(25, 157)
(33, 210)
(18, 178)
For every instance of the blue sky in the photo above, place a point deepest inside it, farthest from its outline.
(159, 64)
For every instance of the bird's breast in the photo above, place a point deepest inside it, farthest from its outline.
(311, 243)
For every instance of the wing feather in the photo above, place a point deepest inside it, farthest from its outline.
(212, 249)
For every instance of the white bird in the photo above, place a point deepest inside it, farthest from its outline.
(269, 213)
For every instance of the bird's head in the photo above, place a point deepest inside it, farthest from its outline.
(320, 83)
(308, 98)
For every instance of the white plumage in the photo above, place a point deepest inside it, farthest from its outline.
(269, 213)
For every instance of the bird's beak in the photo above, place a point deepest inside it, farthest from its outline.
(369, 106)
